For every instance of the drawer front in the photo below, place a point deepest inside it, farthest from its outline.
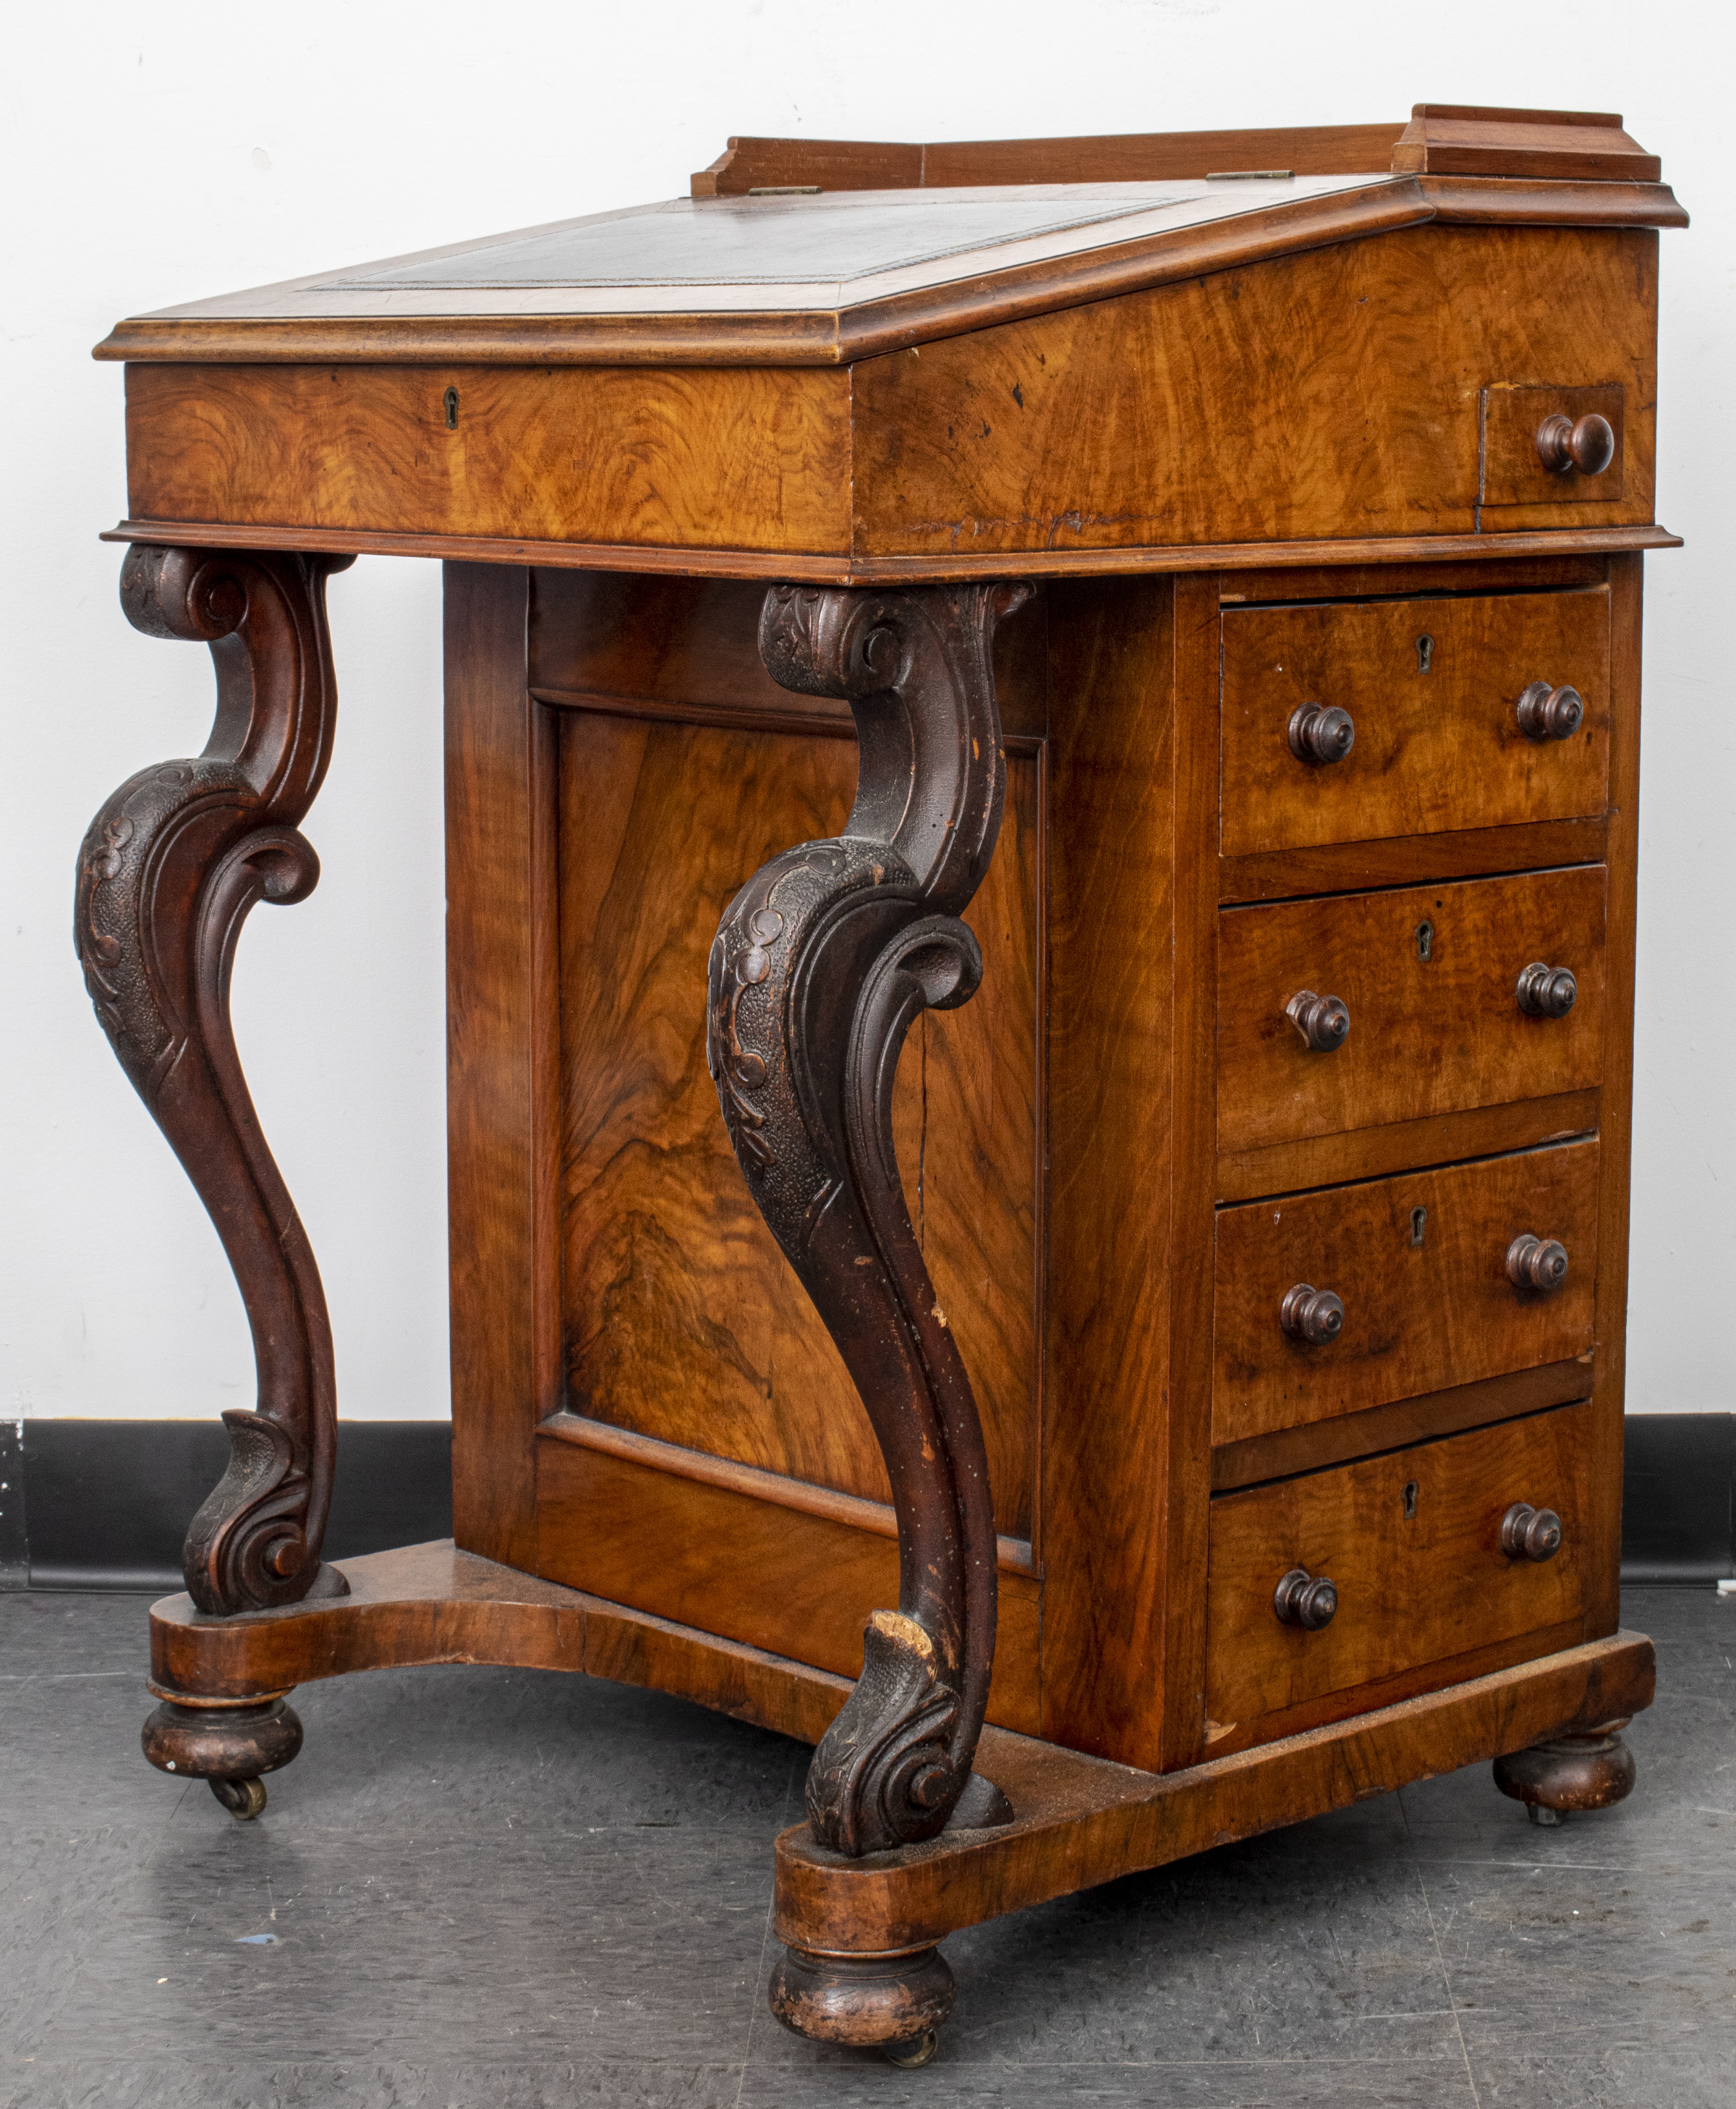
(1420, 1266)
(1429, 976)
(1412, 1542)
(1432, 689)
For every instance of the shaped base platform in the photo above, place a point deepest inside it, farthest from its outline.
(1077, 1820)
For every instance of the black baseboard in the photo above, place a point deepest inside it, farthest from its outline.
(105, 1504)
(1679, 1497)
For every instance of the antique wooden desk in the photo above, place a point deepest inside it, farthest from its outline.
(1199, 1356)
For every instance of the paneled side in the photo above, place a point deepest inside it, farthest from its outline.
(1335, 393)
(682, 1320)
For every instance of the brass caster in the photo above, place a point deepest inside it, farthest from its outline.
(918, 2051)
(245, 1798)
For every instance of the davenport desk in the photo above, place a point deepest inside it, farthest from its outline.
(1128, 1369)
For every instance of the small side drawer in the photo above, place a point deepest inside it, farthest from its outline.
(1430, 978)
(1432, 689)
(1419, 1265)
(1412, 1542)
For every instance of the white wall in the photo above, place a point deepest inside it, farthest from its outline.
(157, 155)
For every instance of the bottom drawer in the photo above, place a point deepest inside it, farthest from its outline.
(1411, 1543)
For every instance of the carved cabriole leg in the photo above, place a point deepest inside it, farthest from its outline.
(822, 964)
(169, 871)
(1579, 1769)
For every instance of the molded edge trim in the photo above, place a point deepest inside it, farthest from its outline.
(814, 569)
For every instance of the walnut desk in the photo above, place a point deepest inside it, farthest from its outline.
(1136, 1366)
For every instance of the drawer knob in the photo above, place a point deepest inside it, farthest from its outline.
(1547, 713)
(1319, 734)
(1587, 444)
(1526, 1533)
(1546, 992)
(1323, 1020)
(1307, 1601)
(1312, 1314)
(1536, 1263)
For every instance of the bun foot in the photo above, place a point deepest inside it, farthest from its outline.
(893, 2003)
(1592, 1768)
(226, 1742)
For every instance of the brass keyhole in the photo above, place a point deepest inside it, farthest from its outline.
(451, 400)
(1418, 1224)
(1425, 940)
(1411, 1491)
(1425, 653)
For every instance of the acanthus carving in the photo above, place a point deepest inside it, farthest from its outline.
(169, 869)
(823, 961)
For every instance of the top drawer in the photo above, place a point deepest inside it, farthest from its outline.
(1432, 689)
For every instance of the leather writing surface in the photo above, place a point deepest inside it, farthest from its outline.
(777, 241)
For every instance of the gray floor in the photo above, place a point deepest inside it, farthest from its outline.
(509, 1889)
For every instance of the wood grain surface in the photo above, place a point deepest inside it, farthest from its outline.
(1305, 396)
(792, 1583)
(1426, 1037)
(1111, 1233)
(1307, 555)
(1412, 1588)
(1427, 1304)
(501, 1022)
(1605, 1440)
(1079, 1821)
(682, 1319)
(1311, 1445)
(1365, 1152)
(1514, 473)
(745, 458)
(1407, 859)
(1433, 687)
(1134, 157)
(433, 1603)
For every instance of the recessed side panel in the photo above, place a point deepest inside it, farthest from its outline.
(681, 1319)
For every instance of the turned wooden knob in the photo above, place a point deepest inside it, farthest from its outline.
(1322, 1020)
(1319, 734)
(1547, 713)
(1304, 1600)
(1313, 1315)
(1536, 1263)
(1587, 444)
(1529, 1533)
(1545, 992)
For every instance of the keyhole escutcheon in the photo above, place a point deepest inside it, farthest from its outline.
(1411, 1491)
(1418, 1224)
(1425, 653)
(1425, 940)
(451, 401)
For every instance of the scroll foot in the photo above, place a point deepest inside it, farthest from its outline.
(1588, 1768)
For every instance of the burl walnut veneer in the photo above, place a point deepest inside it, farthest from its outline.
(1139, 1360)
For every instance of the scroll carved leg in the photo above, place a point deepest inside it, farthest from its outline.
(823, 961)
(1579, 1769)
(169, 868)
